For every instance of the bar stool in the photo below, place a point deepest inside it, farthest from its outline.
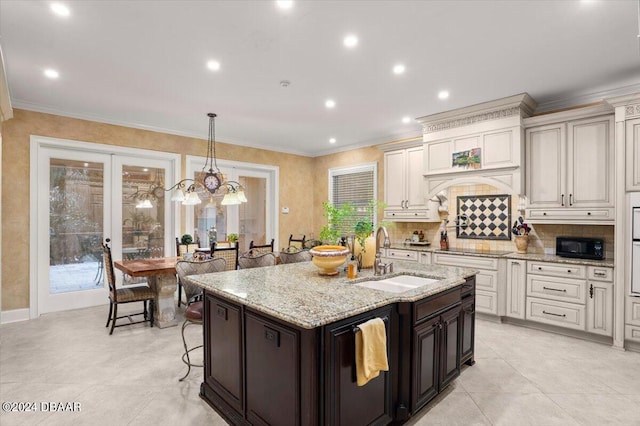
(193, 315)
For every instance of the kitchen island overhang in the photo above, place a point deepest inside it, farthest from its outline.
(279, 343)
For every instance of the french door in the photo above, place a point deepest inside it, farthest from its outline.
(255, 220)
(81, 194)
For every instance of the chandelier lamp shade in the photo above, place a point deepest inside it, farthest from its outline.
(186, 191)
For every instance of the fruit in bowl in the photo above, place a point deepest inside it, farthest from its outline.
(328, 258)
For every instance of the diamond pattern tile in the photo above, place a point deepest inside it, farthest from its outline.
(489, 217)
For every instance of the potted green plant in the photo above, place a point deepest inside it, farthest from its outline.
(337, 221)
(233, 238)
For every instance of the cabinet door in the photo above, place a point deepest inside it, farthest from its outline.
(272, 355)
(394, 179)
(589, 163)
(346, 402)
(467, 328)
(545, 156)
(450, 346)
(516, 288)
(633, 154)
(426, 356)
(414, 178)
(600, 308)
(223, 337)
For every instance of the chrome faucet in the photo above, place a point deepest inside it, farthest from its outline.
(380, 268)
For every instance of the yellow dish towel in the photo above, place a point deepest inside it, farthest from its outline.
(371, 351)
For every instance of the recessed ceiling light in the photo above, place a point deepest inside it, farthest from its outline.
(60, 9)
(406, 120)
(330, 103)
(350, 41)
(51, 73)
(213, 65)
(332, 140)
(443, 94)
(284, 4)
(398, 69)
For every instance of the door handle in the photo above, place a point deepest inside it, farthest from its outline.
(591, 291)
(570, 199)
(562, 202)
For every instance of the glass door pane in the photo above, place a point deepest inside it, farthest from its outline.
(143, 212)
(72, 189)
(252, 214)
(76, 217)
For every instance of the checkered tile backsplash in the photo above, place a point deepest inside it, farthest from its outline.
(489, 217)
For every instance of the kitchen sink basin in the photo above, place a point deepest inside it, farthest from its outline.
(398, 284)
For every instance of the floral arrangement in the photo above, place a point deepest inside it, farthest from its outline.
(520, 228)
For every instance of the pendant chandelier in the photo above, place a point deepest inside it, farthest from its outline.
(186, 191)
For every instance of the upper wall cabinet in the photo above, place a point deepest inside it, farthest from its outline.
(482, 143)
(569, 168)
(404, 194)
(633, 154)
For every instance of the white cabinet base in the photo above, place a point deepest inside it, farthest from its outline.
(568, 315)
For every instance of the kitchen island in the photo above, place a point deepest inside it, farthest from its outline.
(279, 343)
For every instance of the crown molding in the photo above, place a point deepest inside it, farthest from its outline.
(588, 98)
(518, 105)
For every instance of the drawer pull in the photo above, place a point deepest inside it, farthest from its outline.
(591, 291)
(600, 274)
(554, 289)
(555, 315)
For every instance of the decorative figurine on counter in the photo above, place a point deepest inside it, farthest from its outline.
(444, 242)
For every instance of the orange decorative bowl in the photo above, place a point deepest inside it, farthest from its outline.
(328, 258)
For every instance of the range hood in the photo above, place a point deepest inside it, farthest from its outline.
(478, 144)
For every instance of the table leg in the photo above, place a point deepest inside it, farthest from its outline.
(164, 311)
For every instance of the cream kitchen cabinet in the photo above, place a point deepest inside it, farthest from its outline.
(404, 193)
(569, 171)
(633, 154)
(423, 257)
(579, 297)
(516, 288)
(490, 275)
(600, 300)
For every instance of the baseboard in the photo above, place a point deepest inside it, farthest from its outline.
(14, 315)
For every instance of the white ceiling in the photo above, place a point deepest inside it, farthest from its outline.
(142, 63)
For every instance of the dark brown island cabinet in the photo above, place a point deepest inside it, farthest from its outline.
(260, 370)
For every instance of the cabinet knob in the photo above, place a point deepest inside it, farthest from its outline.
(544, 213)
(588, 213)
(539, 268)
(569, 270)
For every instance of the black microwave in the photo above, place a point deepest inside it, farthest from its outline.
(582, 248)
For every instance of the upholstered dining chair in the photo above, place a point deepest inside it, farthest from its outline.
(297, 242)
(193, 313)
(229, 254)
(309, 244)
(292, 255)
(125, 295)
(264, 248)
(253, 259)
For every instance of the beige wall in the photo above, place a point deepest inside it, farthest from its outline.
(296, 177)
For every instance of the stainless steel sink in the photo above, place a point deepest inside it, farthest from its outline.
(398, 284)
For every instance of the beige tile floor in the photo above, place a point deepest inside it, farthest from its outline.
(521, 377)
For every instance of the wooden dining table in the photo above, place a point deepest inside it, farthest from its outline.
(161, 276)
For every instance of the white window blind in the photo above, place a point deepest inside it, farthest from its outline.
(355, 185)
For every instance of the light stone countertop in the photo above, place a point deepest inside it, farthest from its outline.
(297, 294)
(510, 255)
